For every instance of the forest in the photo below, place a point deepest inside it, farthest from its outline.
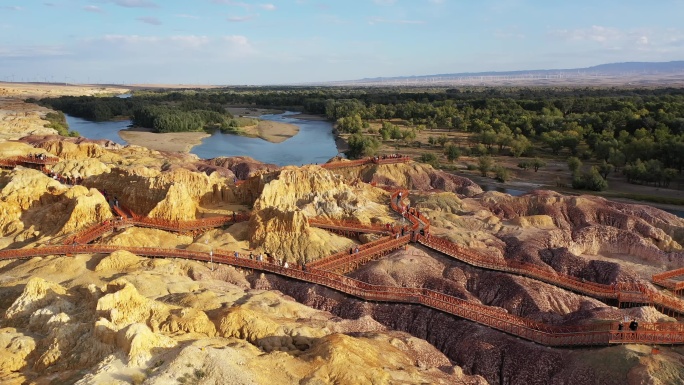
(639, 132)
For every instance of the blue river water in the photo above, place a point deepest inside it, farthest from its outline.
(314, 143)
(98, 130)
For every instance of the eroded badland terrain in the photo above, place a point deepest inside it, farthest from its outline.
(505, 290)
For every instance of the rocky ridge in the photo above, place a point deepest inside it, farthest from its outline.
(122, 318)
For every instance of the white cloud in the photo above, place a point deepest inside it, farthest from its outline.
(380, 20)
(643, 40)
(190, 41)
(240, 19)
(231, 2)
(509, 33)
(36, 51)
(247, 6)
(595, 33)
(151, 20)
(93, 8)
(134, 3)
(12, 8)
(186, 16)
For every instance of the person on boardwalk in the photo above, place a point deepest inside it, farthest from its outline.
(620, 326)
(357, 249)
(236, 254)
(634, 325)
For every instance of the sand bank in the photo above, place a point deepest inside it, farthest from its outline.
(274, 132)
(170, 141)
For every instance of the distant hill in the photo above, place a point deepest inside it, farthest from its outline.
(635, 70)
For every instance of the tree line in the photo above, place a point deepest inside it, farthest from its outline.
(639, 132)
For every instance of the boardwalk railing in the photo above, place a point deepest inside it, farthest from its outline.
(348, 226)
(327, 272)
(27, 161)
(551, 335)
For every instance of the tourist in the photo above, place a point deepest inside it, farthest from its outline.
(236, 254)
(251, 256)
(285, 265)
(357, 249)
(351, 250)
(620, 326)
(634, 325)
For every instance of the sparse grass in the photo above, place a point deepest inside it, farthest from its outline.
(192, 378)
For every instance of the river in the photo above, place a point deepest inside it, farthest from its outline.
(314, 143)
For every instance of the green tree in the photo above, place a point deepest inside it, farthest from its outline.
(485, 164)
(590, 181)
(669, 174)
(360, 146)
(617, 159)
(574, 164)
(502, 174)
(429, 158)
(605, 168)
(442, 140)
(525, 164)
(452, 152)
(554, 140)
(520, 145)
(537, 164)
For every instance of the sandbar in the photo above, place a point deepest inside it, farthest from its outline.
(169, 141)
(274, 132)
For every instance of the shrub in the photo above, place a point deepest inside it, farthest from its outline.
(484, 164)
(452, 152)
(502, 174)
(360, 146)
(429, 158)
(591, 180)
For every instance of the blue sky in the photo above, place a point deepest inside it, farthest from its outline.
(296, 41)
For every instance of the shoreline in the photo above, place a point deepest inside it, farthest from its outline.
(169, 141)
(271, 131)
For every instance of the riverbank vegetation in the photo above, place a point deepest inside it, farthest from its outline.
(634, 134)
(57, 121)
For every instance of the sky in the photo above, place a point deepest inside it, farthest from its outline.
(242, 42)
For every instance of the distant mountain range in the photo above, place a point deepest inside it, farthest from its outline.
(631, 70)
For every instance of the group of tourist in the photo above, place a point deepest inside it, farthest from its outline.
(633, 325)
(390, 156)
(64, 179)
(37, 157)
(260, 257)
(112, 201)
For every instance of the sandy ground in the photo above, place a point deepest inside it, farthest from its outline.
(274, 132)
(41, 90)
(171, 141)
